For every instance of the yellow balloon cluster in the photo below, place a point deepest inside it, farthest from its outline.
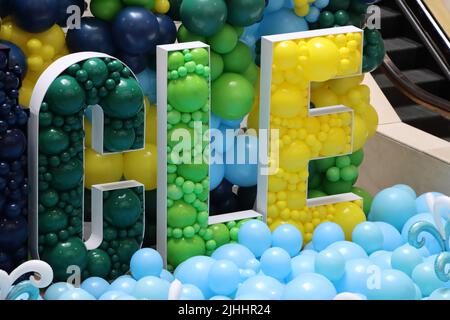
(41, 49)
(301, 7)
(298, 67)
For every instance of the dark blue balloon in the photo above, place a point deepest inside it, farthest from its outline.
(16, 56)
(6, 262)
(167, 29)
(13, 233)
(5, 9)
(135, 30)
(35, 16)
(93, 35)
(63, 5)
(12, 144)
(137, 63)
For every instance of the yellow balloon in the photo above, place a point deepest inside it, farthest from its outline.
(335, 142)
(370, 117)
(342, 86)
(102, 169)
(142, 166)
(324, 97)
(295, 157)
(348, 215)
(322, 61)
(150, 123)
(288, 101)
(285, 54)
(360, 133)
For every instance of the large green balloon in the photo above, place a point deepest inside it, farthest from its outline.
(65, 96)
(239, 59)
(181, 215)
(203, 17)
(193, 172)
(367, 198)
(179, 250)
(188, 94)
(216, 65)
(120, 139)
(122, 208)
(52, 220)
(106, 9)
(99, 263)
(67, 176)
(244, 13)
(97, 71)
(184, 35)
(225, 40)
(125, 101)
(232, 96)
(53, 140)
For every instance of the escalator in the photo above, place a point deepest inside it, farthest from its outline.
(418, 59)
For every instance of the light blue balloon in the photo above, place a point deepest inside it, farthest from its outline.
(56, 290)
(274, 5)
(235, 252)
(224, 277)
(430, 242)
(220, 298)
(222, 139)
(235, 124)
(276, 263)
(382, 259)
(309, 246)
(394, 206)
(406, 188)
(321, 3)
(357, 272)
(325, 234)
(300, 264)
(255, 235)
(95, 286)
(330, 264)
(166, 275)
(349, 250)
(369, 236)
(147, 80)
(216, 175)
(419, 295)
(282, 21)
(313, 14)
(440, 294)
(406, 258)
(76, 294)
(392, 239)
(421, 201)
(111, 295)
(289, 238)
(431, 258)
(151, 288)
(243, 171)
(191, 292)
(308, 252)
(253, 264)
(247, 274)
(195, 271)
(309, 286)
(261, 286)
(125, 285)
(146, 262)
(214, 121)
(394, 285)
(251, 35)
(425, 277)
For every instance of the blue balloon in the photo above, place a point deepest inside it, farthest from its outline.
(243, 171)
(394, 206)
(222, 139)
(421, 201)
(136, 62)
(331, 264)
(247, 274)
(151, 288)
(191, 292)
(224, 277)
(321, 3)
(254, 265)
(235, 124)
(382, 259)
(309, 246)
(392, 239)
(146, 262)
(424, 275)
(369, 236)
(195, 271)
(406, 188)
(282, 21)
(313, 14)
(147, 80)
(274, 5)
(63, 5)
(135, 30)
(327, 233)
(111, 295)
(251, 35)
(394, 285)
(76, 294)
(255, 235)
(302, 264)
(166, 275)
(93, 35)
(16, 56)
(349, 250)
(406, 258)
(289, 238)
(216, 175)
(56, 290)
(220, 298)
(214, 121)
(95, 286)
(237, 253)
(261, 286)
(440, 294)
(431, 244)
(34, 16)
(276, 263)
(309, 286)
(5, 8)
(123, 284)
(167, 29)
(357, 272)
(308, 252)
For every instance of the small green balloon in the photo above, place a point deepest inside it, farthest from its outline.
(175, 60)
(49, 198)
(337, 187)
(184, 35)
(200, 56)
(97, 71)
(367, 198)
(52, 220)
(216, 65)
(239, 59)
(188, 94)
(181, 215)
(326, 19)
(322, 165)
(99, 263)
(65, 96)
(68, 175)
(119, 140)
(179, 250)
(342, 162)
(193, 172)
(125, 101)
(53, 140)
(225, 40)
(232, 96)
(221, 234)
(357, 157)
(122, 208)
(126, 249)
(349, 173)
(106, 9)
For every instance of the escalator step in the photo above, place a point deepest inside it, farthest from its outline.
(414, 112)
(429, 80)
(391, 20)
(404, 52)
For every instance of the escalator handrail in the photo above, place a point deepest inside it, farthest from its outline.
(413, 91)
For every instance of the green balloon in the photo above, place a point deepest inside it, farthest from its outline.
(122, 208)
(358, 7)
(239, 59)
(337, 187)
(200, 56)
(52, 220)
(216, 65)
(349, 173)
(193, 172)
(97, 71)
(336, 5)
(181, 215)
(203, 17)
(251, 73)
(119, 140)
(125, 101)
(312, 193)
(357, 157)
(184, 35)
(73, 252)
(314, 180)
(333, 174)
(322, 165)
(232, 96)
(326, 19)
(367, 198)
(173, 135)
(225, 40)
(147, 4)
(179, 250)
(99, 263)
(341, 18)
(48, 198)
(65, 96)
(126, 249)
(221, 234)
(244, 13)
(188, 94)
(106, 9)
(53, 140)
(68, 175)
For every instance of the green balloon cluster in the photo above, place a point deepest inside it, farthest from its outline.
(108, 9)
(374, 50)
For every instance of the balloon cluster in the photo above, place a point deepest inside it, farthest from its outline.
(13, 164)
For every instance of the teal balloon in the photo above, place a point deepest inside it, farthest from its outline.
(261, 286)
(203, 17)
(244, 13)
(369, 236)
(405, 259)
(394, 285)
(65, 96)
(330, 264)
(309, 286)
